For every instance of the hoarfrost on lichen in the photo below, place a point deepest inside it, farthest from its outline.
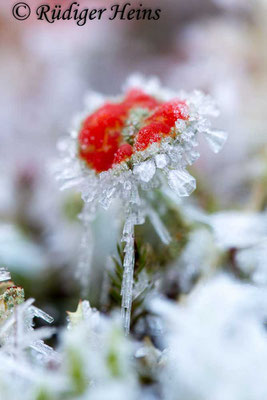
(23, 353)
(17, 334)
(159, 139)
(95, 358)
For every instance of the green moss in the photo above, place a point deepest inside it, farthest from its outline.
(43, 395)
(76, 372)
(113, 363)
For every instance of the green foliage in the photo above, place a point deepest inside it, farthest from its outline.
(113, 356)
(175, 224)
(43, 395)
(152, 257)
(144, 261)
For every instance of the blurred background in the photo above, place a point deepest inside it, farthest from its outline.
(218, 46)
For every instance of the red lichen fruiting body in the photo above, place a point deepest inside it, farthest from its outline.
(123, 153)
(160, 123)
(101, 141)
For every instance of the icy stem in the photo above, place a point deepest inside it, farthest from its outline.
(86, 249)
(181, 182)
(41, 314)
(128, 265)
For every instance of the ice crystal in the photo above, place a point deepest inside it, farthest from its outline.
(216, 139)
(17, 334)
(145, 170)
(125, 146)
(181, 182)
(95, 359)
(16, 327)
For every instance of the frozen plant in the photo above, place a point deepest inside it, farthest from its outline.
(126, 147)
(16, 319)
(23, 353)
(233, 239)
(94, 358)
(215, 341)
(97, 357)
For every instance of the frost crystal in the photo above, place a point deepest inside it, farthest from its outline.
(181, 182)
(216, 139)
(18, 339)
(123, 147)
(145, 170)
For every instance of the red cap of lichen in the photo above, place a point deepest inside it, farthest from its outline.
(101, 140)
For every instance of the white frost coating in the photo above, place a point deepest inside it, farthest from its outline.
(146, 171)
(181, 182)
(233, 229)
(92, 338)
(161, 160)
(180, 125)
(214, 341)
(4, 275)
(29, 368)
(17, 334)
(253, 262)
